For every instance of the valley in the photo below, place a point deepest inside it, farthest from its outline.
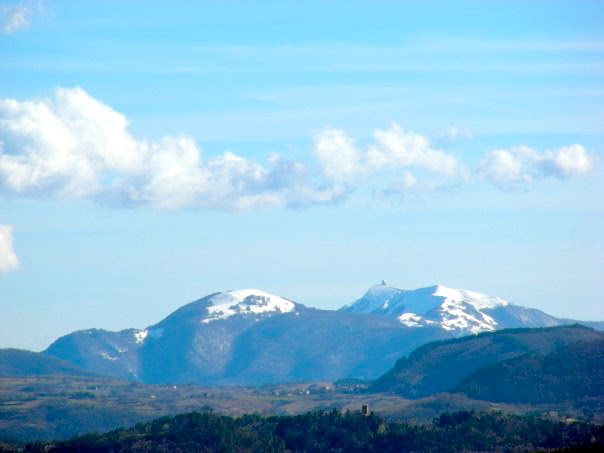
(59, 407)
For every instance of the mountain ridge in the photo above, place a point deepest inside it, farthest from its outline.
(455, 310)
(254, 337)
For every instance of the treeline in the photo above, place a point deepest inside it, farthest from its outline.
(337, 432)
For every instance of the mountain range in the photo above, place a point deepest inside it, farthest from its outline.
(252, 337)
(245, 337)
(551, 370)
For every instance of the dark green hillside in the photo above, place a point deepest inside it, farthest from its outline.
(573, 373)
(17, 362)
(335, 432)
(440, 366)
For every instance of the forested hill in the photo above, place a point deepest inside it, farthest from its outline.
(336, 432)
(441, 366)
(574, 373)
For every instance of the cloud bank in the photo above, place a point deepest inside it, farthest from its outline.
(8, 258)
(72, 145)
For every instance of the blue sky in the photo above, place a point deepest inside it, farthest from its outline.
(458, 143)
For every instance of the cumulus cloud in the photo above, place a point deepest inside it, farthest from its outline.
(395, 147)
(396, 162)
(8, 258)
(338, 156)
(524, 164)
(71, 145)
(565, 162)
(62, 145)
(392, 149)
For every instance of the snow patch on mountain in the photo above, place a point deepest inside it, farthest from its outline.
(462, 310)
(410, 320)
(246, 301)
(107, 356)
(477, 300)
(140, 335)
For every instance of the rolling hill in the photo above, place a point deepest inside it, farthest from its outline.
(17, 362)
(442, 366)
(573, 373)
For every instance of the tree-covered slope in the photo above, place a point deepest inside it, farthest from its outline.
(573, 373)
(440, 366)
(336, 432)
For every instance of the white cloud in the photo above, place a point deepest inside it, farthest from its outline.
(390, 155)
(8, 258)
(337, 155)
(395, 147)
(565, 162)
(17, 16)
(524, 164)
(74, 146)
(71, 145)
(62, 145)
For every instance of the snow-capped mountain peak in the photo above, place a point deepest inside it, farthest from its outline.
(376, 298)
(245, 301)
(448, 308)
